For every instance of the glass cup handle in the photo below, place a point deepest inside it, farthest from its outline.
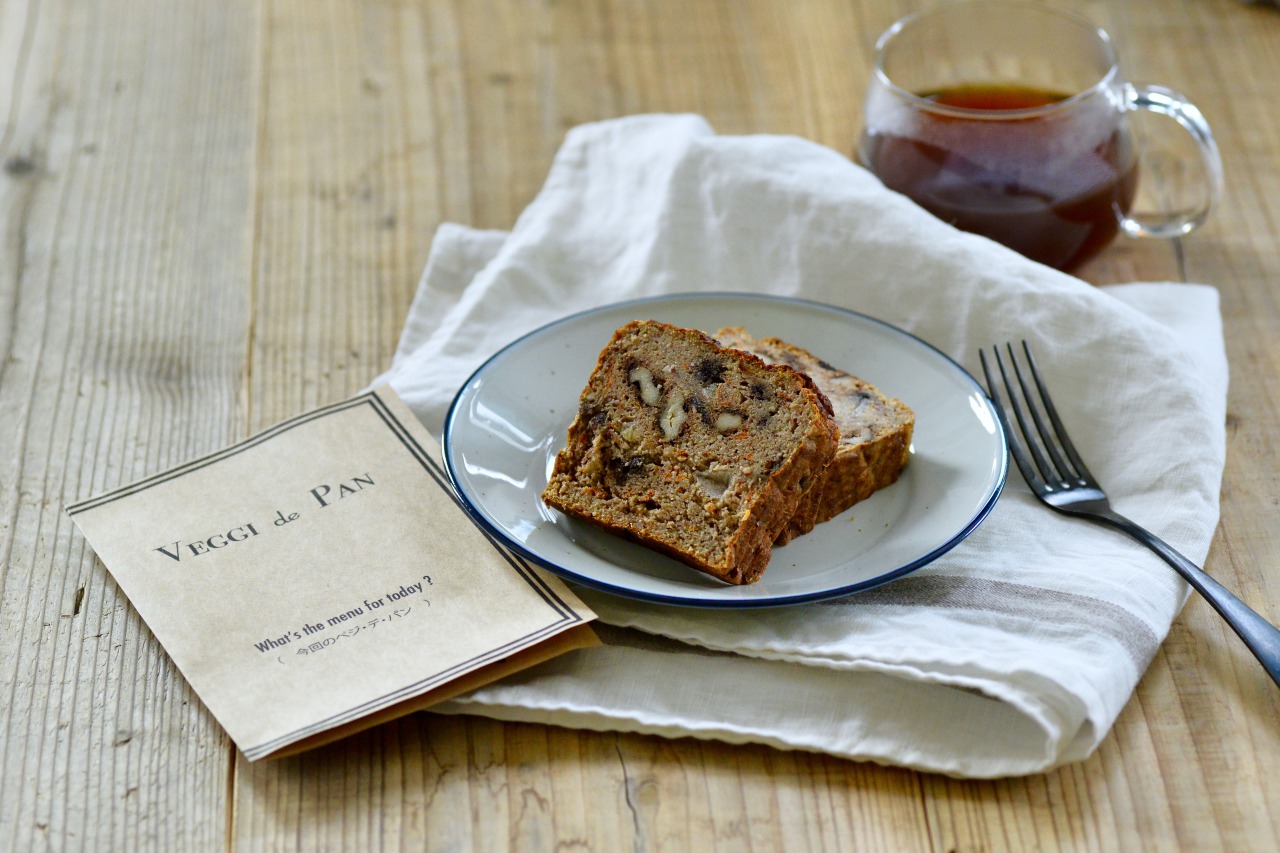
(1169, 103)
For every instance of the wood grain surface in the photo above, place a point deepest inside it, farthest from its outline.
(213, 216)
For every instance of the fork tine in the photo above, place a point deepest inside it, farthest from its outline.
(1048, 474)
(1081, 470)
(1062, 469)
(1019, 455)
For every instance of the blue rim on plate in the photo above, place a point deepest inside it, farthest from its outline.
(510, 417)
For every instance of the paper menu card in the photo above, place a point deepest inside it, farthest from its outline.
(321, 577)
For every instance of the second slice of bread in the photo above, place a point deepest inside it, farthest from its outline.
(875, 432)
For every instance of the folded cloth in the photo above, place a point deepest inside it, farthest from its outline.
(1011, 654)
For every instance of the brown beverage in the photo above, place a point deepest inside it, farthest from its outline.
(1025, 182)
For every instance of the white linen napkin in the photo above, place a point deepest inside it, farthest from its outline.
(1011, 654)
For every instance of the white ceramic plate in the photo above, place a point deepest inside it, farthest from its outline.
(511, 417)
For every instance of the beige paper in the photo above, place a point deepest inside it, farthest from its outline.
(321, 577)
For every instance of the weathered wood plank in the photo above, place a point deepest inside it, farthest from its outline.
(127, 204)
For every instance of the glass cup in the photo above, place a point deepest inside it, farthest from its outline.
(1010, 120)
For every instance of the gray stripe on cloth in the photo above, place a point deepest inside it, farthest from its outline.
(1047, 606)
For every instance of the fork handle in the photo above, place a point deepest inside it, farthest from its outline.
(1262, 638)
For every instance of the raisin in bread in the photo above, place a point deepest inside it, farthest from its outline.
(701, 452)
(875, 432)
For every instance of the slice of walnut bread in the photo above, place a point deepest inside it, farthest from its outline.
(875, 431)
(701, 452)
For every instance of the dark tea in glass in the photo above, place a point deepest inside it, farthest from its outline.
(1022, 183)
(1009, 119)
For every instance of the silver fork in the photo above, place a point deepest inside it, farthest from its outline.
(1058, 477)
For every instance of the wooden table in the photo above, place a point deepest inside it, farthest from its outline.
(213, 216)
